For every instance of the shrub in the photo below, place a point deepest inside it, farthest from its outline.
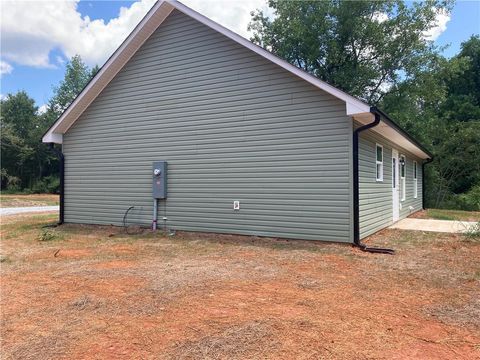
(469, 201)
(9, 182)
(49, 184)
(47, 235)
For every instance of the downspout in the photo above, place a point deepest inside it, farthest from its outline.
(61, 158)
(356, 189)
(423, 180)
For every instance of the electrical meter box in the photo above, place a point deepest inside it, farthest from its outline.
(159, 180)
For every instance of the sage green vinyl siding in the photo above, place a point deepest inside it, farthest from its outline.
(376, 211)
(232, 126)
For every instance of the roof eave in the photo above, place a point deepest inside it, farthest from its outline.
(387, 119)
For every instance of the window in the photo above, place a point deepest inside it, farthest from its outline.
(379, 162)
(402, 175)
(394, 173)
(415, 183)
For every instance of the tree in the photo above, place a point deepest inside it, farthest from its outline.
(18, 119)
(19, 111)
(361, 47)
(26, 162)
(463, 103)
(377, 50)
(77, 75)
(94, 71)
(440, 108)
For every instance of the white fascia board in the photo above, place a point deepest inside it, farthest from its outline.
(51, 137)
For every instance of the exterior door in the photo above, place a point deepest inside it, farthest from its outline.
(395, 187)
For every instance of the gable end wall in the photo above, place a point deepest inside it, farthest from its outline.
(232, 126)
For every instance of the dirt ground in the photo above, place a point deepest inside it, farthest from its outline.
(84, 292)
(22, 200)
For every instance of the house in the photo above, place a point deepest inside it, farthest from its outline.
(253, 144)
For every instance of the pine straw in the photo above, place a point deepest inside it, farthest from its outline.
(249, 340)
(465, 314)
(110, 295)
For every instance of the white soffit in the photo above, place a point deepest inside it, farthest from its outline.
(141, 33)
(395, 136)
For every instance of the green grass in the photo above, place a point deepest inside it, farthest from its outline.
(24, 200)
(457, 215)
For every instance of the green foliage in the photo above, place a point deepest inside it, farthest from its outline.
(27, 164)
(466, 201)
(9, 181)
(49, 184)
(77, 75)
(47, 234)
(22, 152)
(440, 107)
(18, 112)
(361, 47)
(376, 50)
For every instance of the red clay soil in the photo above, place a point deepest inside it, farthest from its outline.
(197, 296)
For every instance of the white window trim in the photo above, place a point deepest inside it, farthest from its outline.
(402, 178)
(379, 179)
(415, 180)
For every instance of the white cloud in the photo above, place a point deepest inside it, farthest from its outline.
(439, 24)
(31, 30)
(42, 109)
(60, 60)
(5, 68)
(441, 20)
(234, 15)
(380, 17)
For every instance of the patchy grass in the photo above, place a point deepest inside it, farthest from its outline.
(472, 231)
(441, 214)
(23, 200)
(96, 292)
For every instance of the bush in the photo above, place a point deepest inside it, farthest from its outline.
(9, 182)
(47, 235)
(49, 184)
(469, 201)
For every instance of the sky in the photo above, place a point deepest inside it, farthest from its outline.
(38, 37)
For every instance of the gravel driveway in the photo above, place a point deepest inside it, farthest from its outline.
(29, 209)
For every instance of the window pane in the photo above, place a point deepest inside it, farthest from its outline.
(379, 171)
(402, 167)
(414, 170)
(379, 153)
